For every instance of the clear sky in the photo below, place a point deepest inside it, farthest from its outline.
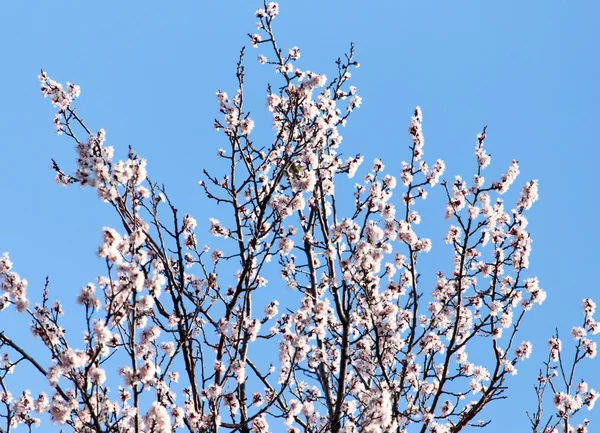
(149, 71)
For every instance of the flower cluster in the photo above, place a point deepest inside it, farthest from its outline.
(14, 288)
(59, 97)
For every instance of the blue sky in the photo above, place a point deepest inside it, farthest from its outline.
(149, 71)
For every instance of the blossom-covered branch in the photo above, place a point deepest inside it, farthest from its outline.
(183, 329)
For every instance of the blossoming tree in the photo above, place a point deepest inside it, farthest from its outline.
(183, 337)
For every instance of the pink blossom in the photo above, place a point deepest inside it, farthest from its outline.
(255, 40)
(589, 347)
(272, 9)
(589, 306)
(555, 347)
(216, 229)
(260, 425)
(246, 125)
(157, 419)
(578, 333)
(524, 350)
